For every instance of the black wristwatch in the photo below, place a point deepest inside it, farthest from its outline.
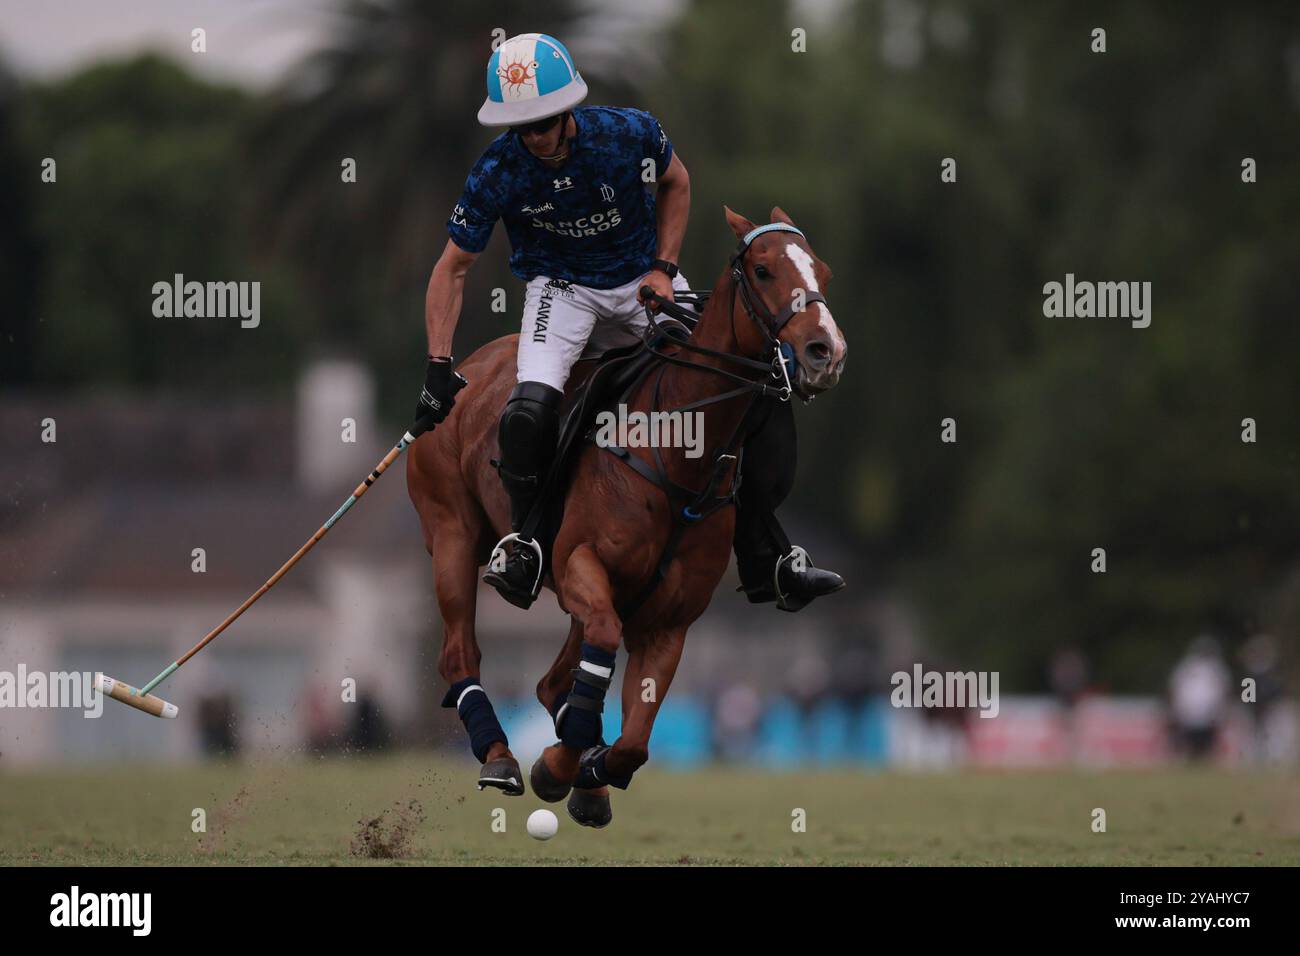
(667, 268)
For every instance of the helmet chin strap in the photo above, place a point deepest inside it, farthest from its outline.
(564, 145)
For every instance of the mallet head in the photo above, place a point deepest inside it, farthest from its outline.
(130, 696)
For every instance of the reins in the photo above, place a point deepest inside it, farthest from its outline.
(653, 331)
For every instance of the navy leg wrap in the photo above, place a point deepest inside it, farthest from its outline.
(578, 721)
(560, 699)
(476, 714)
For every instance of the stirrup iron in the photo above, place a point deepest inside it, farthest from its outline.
(797, 554)
(498, 560)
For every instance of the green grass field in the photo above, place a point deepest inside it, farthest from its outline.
(325, 812)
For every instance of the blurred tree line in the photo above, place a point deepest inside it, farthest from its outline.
(1073, 434)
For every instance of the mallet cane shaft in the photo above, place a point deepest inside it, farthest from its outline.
(406, 441)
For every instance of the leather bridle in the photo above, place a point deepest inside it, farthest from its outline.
(770, 325)
(779, 359)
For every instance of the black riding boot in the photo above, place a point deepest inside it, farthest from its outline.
(771, 568)
(527, 433)
(789, 579)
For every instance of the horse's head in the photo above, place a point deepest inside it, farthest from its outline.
(779, 285)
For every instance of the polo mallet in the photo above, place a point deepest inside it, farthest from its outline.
(142, 699)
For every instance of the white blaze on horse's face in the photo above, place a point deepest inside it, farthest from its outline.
(819, 368)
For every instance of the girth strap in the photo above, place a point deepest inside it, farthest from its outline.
(662, 481)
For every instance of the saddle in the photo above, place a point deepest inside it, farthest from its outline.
(598, 384)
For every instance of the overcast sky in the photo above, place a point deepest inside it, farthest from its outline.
(249, 41)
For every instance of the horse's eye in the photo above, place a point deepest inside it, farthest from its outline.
(761, 272)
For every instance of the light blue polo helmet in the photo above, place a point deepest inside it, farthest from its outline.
(530, 77)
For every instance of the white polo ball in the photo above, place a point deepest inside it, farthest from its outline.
(542, 824)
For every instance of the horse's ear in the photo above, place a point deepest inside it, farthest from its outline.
(738, 223)
(778, 215)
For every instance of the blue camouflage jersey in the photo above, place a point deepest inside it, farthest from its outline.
(589, 221)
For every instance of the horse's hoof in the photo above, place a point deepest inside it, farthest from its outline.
(589, 779)
(503, 774)
(545, 785)
(590, 809)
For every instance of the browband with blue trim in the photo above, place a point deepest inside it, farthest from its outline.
(770, 227)
(769, 323)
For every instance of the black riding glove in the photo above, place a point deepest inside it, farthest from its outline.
(439, 394)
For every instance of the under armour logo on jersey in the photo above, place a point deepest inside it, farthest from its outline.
(565, 183)
(607, 192)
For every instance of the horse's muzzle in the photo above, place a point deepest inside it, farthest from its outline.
(819, 367)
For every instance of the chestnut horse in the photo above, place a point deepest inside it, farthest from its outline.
(617, 523)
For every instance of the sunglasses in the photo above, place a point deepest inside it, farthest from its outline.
(541, 126)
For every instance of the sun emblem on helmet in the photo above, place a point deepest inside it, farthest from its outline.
(518, 75)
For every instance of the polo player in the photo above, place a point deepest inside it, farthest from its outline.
(586, 233)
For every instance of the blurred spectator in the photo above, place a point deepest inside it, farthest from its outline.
(368, 730)
(1259, 658)
(857, 673)
(808, 679)
(1198, 691)
(1067, 675)
(808, 683)
(735, 723)
(217, 725)
(321, 733)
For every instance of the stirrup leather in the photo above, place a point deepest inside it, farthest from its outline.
(497, 562)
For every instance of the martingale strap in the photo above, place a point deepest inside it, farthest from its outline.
(687, 505)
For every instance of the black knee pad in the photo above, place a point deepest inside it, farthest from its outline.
(529, 427)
